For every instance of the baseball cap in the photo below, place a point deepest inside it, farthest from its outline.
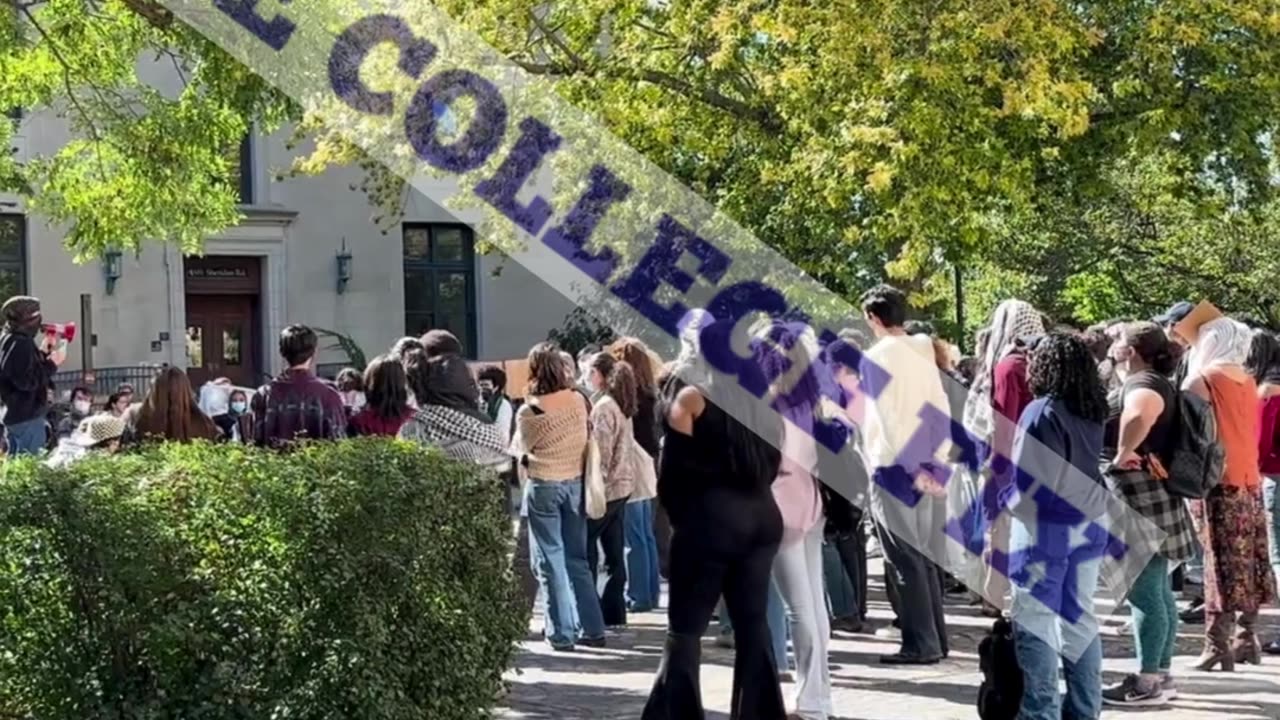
(1174, 315)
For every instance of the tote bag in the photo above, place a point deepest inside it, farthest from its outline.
(593, 476)
(645, 474)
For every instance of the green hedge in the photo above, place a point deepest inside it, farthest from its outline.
(364, 579)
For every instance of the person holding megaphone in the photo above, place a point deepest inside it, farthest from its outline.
(28, 360)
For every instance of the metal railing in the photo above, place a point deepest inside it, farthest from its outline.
(106, 380)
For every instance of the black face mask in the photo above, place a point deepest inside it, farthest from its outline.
(488, 394)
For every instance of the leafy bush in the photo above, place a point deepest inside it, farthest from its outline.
(363, 579)
(579, 330)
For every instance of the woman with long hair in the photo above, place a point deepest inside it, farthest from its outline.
(386, 390)
(714, 481)
(798, 567)
(449, 415)
(1142, 416)
(643, 585)
(1230, 519)
(169, 411)
(553, 429)
(1066, 417)
(1263, 364)
(614, 385)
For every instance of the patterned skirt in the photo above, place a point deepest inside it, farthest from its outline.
(1233, 533)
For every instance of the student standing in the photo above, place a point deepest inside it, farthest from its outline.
(611, 427)
(714, 481)
(904, 491)
(553, 427)
(1231, 520)
(1055, 619)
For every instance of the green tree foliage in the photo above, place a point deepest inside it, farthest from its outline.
(579, 330)
(915, 132)
(362, 579)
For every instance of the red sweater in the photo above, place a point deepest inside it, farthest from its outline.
(1268, 424)
(1010, 395)
(368, 423)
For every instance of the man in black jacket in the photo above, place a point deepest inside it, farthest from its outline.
(26, 369)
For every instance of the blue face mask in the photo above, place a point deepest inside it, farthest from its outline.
(238, 407)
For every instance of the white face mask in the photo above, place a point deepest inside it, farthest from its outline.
(81, 406)
(354, 399)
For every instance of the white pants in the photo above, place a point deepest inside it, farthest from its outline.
(798, 572)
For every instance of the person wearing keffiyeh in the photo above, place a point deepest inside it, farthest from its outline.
(1001, 388)
(448, 414)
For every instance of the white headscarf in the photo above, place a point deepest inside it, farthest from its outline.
(1013, 320)
(1220, 342)
(690, 327)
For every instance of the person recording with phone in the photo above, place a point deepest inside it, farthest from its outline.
(28, 360)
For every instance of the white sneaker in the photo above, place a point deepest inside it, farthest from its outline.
(889, 633)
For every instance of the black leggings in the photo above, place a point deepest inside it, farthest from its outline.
(724, 546)
(608, 532)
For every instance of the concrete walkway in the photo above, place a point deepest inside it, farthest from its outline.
(612, 684)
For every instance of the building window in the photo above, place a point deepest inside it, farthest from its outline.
(13, 256)
(244, 171)
(440, 281)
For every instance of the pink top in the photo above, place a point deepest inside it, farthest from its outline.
(796, 490)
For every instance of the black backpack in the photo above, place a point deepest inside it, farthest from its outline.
(1195, 456)
(1000, 695)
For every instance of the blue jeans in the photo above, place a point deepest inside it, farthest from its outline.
(840, 594)
(643, 586)
(1043, 635)
(558, 533)
(28, 437)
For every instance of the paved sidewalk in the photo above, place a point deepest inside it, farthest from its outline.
(613, 684)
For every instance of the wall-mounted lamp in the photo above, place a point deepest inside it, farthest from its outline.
(344, 267)
(111, 269)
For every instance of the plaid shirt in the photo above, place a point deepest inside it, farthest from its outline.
(297, 406)
(1149, 498)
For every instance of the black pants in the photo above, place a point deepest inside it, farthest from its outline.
(725, 545)
(914, 586)
(852, 548)
(662, 533)
(609, 532)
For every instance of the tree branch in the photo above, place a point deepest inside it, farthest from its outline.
(761, 116)
(154, 13)
(94, 134)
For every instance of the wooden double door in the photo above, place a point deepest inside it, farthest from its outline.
(220, 338)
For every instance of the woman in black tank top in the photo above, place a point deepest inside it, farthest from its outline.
(715, 484)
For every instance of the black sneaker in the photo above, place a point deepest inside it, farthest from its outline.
(1133, 693)
(597, 643)
(1193, 615)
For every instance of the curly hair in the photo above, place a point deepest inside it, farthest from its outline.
(1062, 367)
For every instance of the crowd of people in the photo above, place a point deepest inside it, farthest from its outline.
(624, 465)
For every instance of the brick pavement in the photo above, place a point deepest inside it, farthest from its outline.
(614, 683)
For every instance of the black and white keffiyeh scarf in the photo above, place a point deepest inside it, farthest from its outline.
(462, 436)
